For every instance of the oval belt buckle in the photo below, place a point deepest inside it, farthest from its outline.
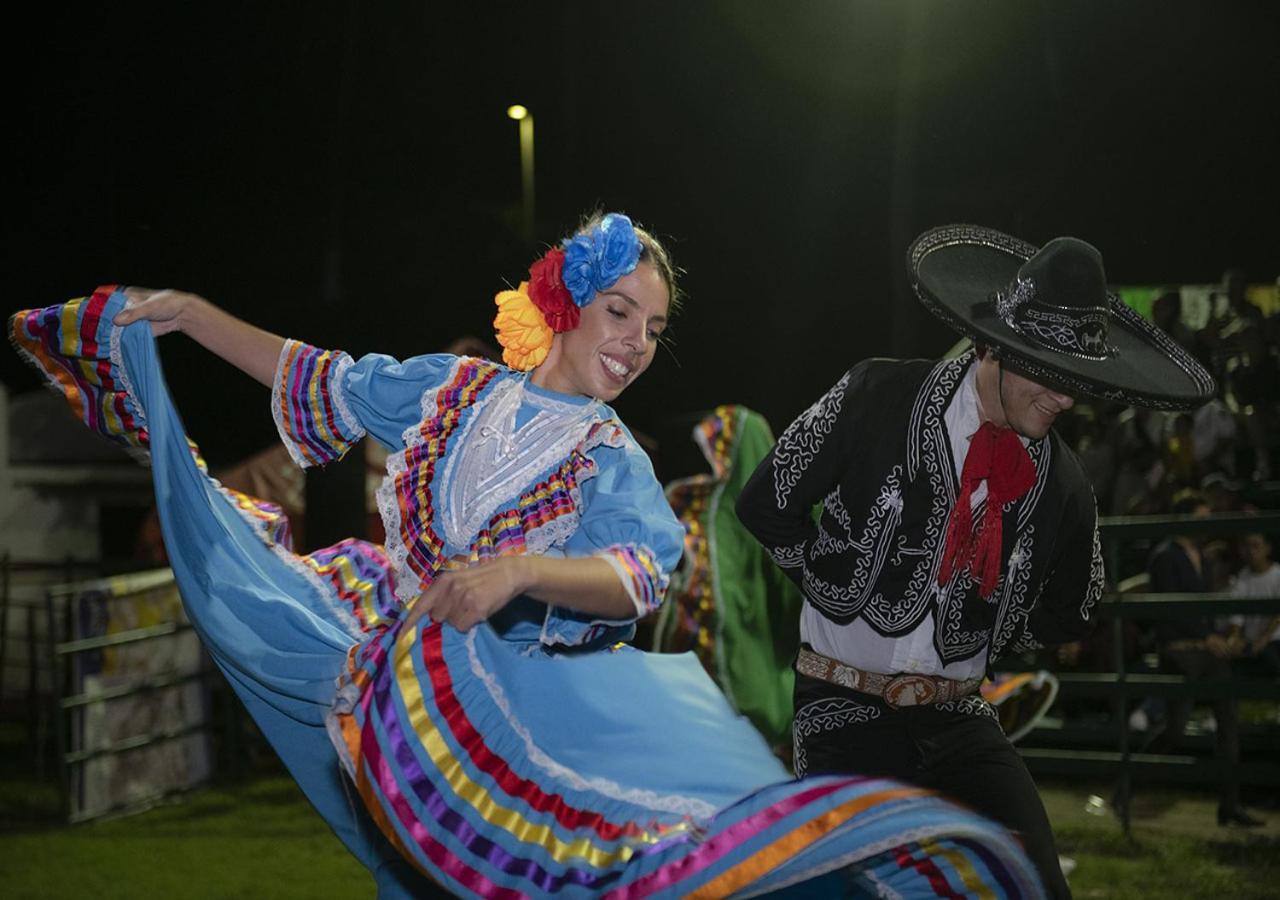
(909, 690)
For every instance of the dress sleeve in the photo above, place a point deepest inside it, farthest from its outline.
(627, 522)
(776, 505)
(324, 402)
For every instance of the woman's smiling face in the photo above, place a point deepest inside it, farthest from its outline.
(616, 338)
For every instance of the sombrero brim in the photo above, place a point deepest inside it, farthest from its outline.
(956, 271)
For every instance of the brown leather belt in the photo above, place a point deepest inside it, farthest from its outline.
(896, 690)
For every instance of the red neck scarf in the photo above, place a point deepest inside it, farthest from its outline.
(996, 455)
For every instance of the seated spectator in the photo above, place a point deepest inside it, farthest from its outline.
(1259, 634)
(1193, 647)
(1213, 435)
(1221, 493)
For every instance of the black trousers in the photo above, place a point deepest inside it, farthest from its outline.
(956, 749)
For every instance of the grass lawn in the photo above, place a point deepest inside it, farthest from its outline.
(1176, 849)
(261, 839)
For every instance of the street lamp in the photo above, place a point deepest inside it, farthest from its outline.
(525, 118)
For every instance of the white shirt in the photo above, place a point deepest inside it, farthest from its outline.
(1256, 584)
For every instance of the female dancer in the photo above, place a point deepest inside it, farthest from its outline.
(470, 682)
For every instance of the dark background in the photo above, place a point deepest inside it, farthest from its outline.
(345, 172)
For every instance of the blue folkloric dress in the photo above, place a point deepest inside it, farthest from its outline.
(533, 755)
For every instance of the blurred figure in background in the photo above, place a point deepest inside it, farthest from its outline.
(1260, 634)
(1246, 362)
(1195, 648)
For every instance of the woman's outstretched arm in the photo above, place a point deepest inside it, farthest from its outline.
(247, 347)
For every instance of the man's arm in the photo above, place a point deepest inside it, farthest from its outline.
(776, 505)
(1066, 609)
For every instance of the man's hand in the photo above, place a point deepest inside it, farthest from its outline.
(464, 597)
(1218, 645)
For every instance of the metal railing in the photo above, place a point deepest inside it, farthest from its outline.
(63, 649)
(1122, 684)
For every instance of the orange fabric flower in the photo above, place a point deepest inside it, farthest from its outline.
(521, 329)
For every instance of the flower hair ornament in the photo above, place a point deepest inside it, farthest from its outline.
(563, 281)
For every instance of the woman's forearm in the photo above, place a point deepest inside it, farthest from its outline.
(247, 347)
(463, 597)
(588, 585)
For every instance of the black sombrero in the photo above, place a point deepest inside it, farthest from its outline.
(1048, 314)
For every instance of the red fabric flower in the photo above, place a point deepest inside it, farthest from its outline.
(548, 293)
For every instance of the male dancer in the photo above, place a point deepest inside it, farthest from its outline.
(956, 525)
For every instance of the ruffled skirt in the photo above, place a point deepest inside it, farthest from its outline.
(492, 767)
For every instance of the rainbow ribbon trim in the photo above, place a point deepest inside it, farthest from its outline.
(409, 494)
(308, 405)
(74, 348)
(641, 575)
(452, 793)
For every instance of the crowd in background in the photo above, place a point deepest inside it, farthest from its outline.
(1139, 459)
(1223, 458)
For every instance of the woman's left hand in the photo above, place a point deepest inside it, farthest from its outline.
(464, 597)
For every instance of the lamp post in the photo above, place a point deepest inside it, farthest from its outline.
(525, 118)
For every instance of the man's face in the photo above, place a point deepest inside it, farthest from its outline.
(1257, 552)
(1009, 399)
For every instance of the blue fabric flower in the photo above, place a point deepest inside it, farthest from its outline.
(596, 260)
(617, 249)
(578, 274)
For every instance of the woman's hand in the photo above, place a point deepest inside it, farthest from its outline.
(464, 597)
(163, 309)
(250, 349)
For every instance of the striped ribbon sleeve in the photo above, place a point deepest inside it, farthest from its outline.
(641, 575)
(76, 347)
(309, 406)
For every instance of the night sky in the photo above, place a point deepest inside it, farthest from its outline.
(345, 172)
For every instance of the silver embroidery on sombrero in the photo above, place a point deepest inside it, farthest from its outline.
(1079, 332)
(1121, 315)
